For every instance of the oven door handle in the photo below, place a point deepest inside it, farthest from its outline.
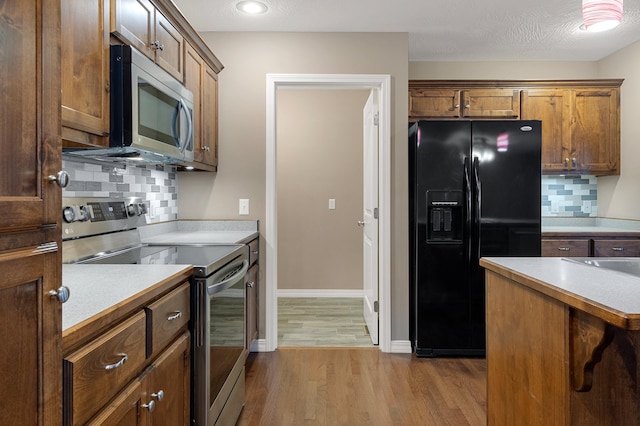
(224, 284)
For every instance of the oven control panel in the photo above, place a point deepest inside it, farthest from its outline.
(91, 216)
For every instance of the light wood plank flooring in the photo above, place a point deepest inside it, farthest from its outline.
(362, 386)
(321, 322)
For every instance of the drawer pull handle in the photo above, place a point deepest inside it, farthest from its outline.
(564, 248)
(117, 364)
(158, 395)
(617, 248)
(150, 406)
(255, 252)
(175, 316)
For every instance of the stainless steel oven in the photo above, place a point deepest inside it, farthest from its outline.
(99, 230)
(219, 336)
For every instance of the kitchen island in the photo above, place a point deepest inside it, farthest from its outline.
(563, 343)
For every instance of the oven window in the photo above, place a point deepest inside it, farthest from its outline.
(226, 333)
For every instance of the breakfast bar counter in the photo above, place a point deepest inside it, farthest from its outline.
(563, 343)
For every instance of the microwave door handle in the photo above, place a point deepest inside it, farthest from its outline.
(185, 108)
(174, 124)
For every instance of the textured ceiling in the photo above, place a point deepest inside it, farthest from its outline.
(449, 30)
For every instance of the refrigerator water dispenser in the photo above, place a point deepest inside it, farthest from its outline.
(445, 211)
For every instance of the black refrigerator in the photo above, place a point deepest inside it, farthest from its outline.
(474, 191)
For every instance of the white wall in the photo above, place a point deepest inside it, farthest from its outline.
(619, 196)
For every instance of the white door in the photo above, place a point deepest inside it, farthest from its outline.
(369, 221)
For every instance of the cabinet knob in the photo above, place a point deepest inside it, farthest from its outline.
(150, 406)
(123, 359)
(61, 178)
(62, 294)
(175, 316)
(158, 395)
(251, 284)
(157, 45)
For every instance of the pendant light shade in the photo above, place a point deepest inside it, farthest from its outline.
(601, 15)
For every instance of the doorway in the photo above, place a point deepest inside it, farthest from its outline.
(381, 83)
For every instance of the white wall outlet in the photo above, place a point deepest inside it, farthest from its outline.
(586, 207)
(554, 207)
(243, 207)
(332, 203)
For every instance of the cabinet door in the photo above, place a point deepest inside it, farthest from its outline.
(29, 120)
(434, 103)
(565, 248)
(252, 305)
(595, 131)
(491, 103)
(169, 48)
(133, 22)
(168, 384)
(210, 116)
(552, 107)
(616, 248)
(85, 65)
(30, 331)
(193, 74)
(125, 410)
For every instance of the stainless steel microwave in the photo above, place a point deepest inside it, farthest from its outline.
(151, 113)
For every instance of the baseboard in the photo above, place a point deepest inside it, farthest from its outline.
(401, 346)
(320, 293)
(397, 346)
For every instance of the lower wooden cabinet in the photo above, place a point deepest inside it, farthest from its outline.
(588, 245)
(137, 372)
(565, 248)
(253, 290)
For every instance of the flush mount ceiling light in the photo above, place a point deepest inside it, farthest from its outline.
(601, 15)
(252, 7)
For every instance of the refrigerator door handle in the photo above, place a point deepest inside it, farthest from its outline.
(477, 204)
(468, 192)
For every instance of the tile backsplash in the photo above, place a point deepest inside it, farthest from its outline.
(158, 185)
(575, 196)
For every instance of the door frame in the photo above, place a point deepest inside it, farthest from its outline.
(382, 82)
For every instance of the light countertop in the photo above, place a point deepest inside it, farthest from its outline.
(612, 296)
(596, 229)
(96, 289)
(202, 237)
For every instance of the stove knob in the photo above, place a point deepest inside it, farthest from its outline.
(131, 210)
(69, 214)
(85, 214)
(142, 209)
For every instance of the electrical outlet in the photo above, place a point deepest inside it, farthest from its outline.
(332, 203)
(243, 207)
(586, 207)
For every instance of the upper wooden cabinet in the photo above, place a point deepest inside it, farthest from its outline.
(202, 80)
(30, 206)
(580, 118)
(457, 103)
(85, 71)
(140, 24)
(580, 126)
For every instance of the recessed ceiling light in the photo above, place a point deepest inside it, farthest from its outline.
(252, 7)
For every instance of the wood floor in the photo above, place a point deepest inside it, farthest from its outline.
(362, 386)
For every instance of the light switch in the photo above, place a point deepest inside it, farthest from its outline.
(243, 206)
(332, 203)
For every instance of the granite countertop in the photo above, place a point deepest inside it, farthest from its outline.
(96, 289)
(609, 295)
(595, 229)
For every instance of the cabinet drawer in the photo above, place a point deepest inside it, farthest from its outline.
(254, 252)
(96, 372)
(608, 248)
(166, 318)
(565, 248)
